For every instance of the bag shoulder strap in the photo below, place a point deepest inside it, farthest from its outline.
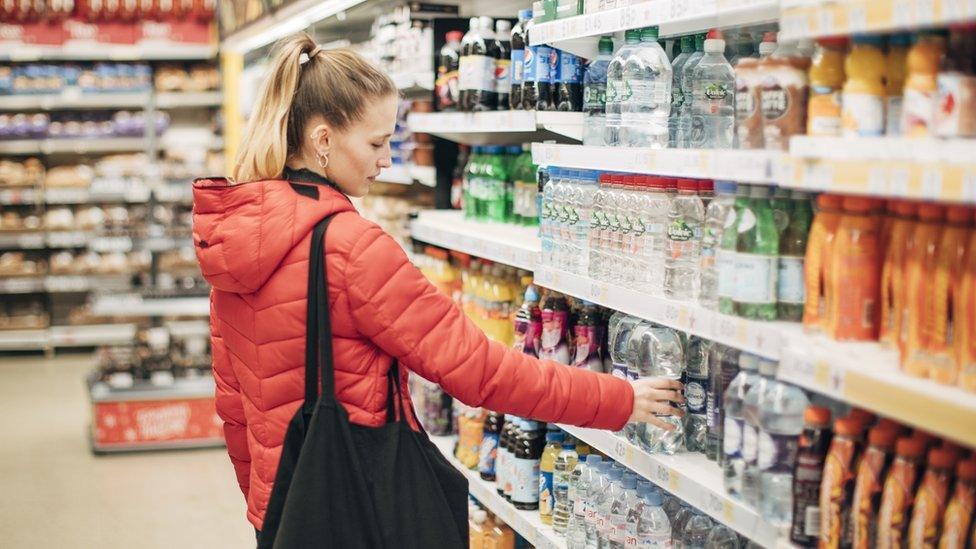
(319, 363)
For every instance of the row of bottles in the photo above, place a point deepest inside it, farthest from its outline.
(499, 185)
(486, 531)
(902, 272)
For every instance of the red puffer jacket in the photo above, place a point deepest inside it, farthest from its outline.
(252, 241)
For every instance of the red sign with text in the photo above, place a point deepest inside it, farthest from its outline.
(156, 421)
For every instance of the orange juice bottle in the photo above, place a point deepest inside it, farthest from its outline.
(899, 489)
(864, 91)
(918, 109)
(855, 274)
(820, 246)
(959, 513)
(965, 315)
(478, 527)
(901, 223)
(871, 471)
(920, 268)
(896, 69)
(826, 80)
(940, 329)
(500, 537)
(930, 502)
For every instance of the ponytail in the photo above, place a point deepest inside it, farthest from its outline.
(304, 80)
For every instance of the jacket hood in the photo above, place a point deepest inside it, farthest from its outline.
(242, 232)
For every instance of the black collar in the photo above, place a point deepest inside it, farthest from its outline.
(305, 175)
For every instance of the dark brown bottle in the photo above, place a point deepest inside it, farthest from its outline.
(807, 475)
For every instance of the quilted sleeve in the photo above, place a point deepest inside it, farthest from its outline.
(395, 306)
(230, 408)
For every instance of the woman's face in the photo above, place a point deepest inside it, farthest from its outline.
(358, 152)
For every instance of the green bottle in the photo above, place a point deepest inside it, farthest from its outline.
(790, 290)
(782, 209)
(756, 258)
(496, 176)
(725, 257)
(468, 187)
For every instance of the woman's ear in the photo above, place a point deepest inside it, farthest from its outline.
(321, 138)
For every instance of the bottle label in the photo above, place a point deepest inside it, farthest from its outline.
(824, 111)
(696, 391)
(646, 94)
(488, 454)
(955, 113)
(790, 286)
(777, 453)
(527, 336)
(478, 73)
(538, 58)
(447, 89)
(917, 111)
(579, 509)
(594, 97)
(615, 91)
(525, 486)
(519, 64)
(553, 340)
(750, 443)
(775, 102)
(546, 498)
(619, 370)
(745, 103)
(725, 265)
(732, 438)
(654, 540)
(503, 75)
(755, 278)
(570, 69)
(863, 115)
(587, 347)
(684, 239)
(618, 527)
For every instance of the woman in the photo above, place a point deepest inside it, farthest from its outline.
(321, 132)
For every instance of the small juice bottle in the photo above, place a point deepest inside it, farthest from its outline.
(864, 91)
(826, 80)
(836, 486)
(896, 68)
(940, 330)
(899, 489)
(816, 267)
(920, 268)
(931, 500)
(921, 86)
(893, 289)
(554, 441)
(965, 315)
(478, 527)
(959, 513)
(868, 485)
(855, 274)
(500, 537)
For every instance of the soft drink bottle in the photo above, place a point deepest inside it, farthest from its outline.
(467, 65)
(756, 260)
(480, 81)
(554, 443)
(518, 58)
(447, 85)
(569, 83)
(503, 64)
(528, 456)
(538, 76)
(489, 446)
(555, 329)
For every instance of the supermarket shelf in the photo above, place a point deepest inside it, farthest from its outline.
(867, 375)
(105, 52)
(425, 175)
(21, 284)
(580, 34)
(819, 18)
(929, 169)
(181, 100)
(691, 477)
(137, 306)
(27, 240)
(508, 244)
(499, 127)
(131, 193)
(736, 165)
(413, 83)
(72, 146)
(74, 98)
(92, 335)
(757, 337)
(291, 18)
(23, 195)
(526, 523)
(398, 174)
(23, 340)
(180, 388)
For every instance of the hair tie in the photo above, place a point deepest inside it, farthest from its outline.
(306, 57)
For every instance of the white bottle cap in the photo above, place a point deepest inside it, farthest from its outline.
(480, 516)
(766, 48)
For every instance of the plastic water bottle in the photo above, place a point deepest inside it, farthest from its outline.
(681, 518)
(595, 94)
(620, 328)
(563, 471)
(687, 90)
(646, 104)
(598, 486)
(599, 230)
(659, 352)
(616, 88)
(696, 392)
(732, 432)
(556, 214)
(625, 262)
(561, 197)
(716, 216)
(687, 47)
(547, 218)
(611, 494)
(752, 407)
(654, 203)
(579, 490)
(686, 214)
(584, 217)
(617, 224)
(696, 530)
(782, 422)
(722, 537)
(619, 511)
(713, 103)
(653, 529)
(722, 368)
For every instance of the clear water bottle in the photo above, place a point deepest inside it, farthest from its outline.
(722, 369)
(732, 432)
(653, 528)
(713, 103)
(659, 352)
(579, 491)
(686, 214)
(627, 198)
(687, 47)
(696, 392)
(646, 105)
(722, 537)
(654, 204)
(619, 511)
(683, 115)
(605, 505)
(616, 88)
(547, 218)
(559, 183)
(563, 473)
(716, 216)
(565, 215)
(598, 487)
(619, 330)
(752, 406)
(681, 518)
(599, 230)
(612, 238)
(782, 424)
(696, 530)
(595, 94)
(584, 217)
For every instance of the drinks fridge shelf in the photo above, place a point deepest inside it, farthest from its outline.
(508, 244)
(499, 127)
(829, 18)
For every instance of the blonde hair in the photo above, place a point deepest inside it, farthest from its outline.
(337, 84)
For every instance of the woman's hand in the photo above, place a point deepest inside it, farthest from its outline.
(653, 397)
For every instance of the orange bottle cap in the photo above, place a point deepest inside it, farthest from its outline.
(931, 211)
(910, 447)
(829, 201)
(864, 416)
(859, 204)
(817, 415)
(883, 437)
(848, 427)
(888, 423)
(959, 214)
(926, 438)
(966, 470)
(834, 42)
(942, 458)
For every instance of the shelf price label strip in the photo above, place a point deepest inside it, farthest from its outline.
(853, 16)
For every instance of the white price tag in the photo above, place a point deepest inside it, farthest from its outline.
(877, 181)
(932, 183)
(597, 292)
(902, 13)
(857, 18)
(925, 12)
(825, 21)
(969, 187)
(899, 179)
(620, 450)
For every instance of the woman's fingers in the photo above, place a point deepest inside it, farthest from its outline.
(661, 424)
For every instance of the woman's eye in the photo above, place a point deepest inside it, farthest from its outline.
(377, 145)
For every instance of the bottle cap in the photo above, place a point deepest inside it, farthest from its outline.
(900, 40)
(706, 186)
(748, 362)
(632, 35)
(714, 42)
(503, 26)
(829, 202)
(653, 497)
(629, 482)
(869, 40)
(593, 459)
(959, 214)
(817, 415)
(926, 438)
(649, 34)
(555, 436)
(475, 22)
(525, 14)
(617, 178)
(480, 516)
(942, 458)
(486, 23)
(605, 45)
(910, 447)
(605, 178)
(858, 204)
(687, 185)
(455, 36)
(888, 423)
(931, 212)
(687, 44)
(882, 437)
(838, 42)
(768, 368)
(865, 417)
(966, 470)
(848, 427)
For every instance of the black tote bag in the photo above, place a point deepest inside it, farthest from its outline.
(346, 486)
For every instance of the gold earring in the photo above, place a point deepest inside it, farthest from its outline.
(323, 161)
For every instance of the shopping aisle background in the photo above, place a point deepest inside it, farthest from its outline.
(56, 493)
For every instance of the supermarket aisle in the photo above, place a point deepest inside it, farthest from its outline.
(57, 494)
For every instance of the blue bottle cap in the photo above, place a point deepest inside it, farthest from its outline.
(555, 436)
(869, 39)
(531, 294)
(525, 14)
(629, 482)
(593, 459)
(514, 149)
(725, 187)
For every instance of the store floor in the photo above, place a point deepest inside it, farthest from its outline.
(55, 493)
